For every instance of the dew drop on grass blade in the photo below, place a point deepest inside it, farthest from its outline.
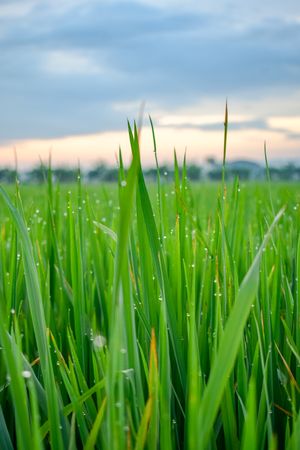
(38, 320)
(229, 345)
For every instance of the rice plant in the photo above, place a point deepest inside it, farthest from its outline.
(150, 316)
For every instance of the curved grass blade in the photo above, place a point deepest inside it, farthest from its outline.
(90, 443)
(5, 441)
(249, 441)
(17, 389)
(229, 345)
(38, 320)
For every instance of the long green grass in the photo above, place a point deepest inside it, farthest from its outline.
(162, 316)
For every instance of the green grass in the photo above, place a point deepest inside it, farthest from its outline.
(162, 316)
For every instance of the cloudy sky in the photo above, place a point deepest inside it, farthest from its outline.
(73, 72)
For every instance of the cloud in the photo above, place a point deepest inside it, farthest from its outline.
(92, 148)
(293, 137)
(84, 66)
(16, 9)
(212, 122)
(60, 62)
(288, 123)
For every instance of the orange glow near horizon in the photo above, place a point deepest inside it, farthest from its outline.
(93, 148)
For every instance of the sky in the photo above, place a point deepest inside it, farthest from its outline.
(73, 72)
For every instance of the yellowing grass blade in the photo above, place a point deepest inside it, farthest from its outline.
(149, 422)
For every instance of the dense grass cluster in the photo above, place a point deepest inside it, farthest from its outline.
(150, 317)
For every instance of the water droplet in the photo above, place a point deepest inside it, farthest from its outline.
(99, 341)
(128, 371)
(26, 374)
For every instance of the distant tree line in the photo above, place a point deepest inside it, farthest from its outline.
(211, 170)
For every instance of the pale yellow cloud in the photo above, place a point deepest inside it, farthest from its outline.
(289, 123)
(88, 149)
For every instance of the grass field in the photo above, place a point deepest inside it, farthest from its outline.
(164, 316)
